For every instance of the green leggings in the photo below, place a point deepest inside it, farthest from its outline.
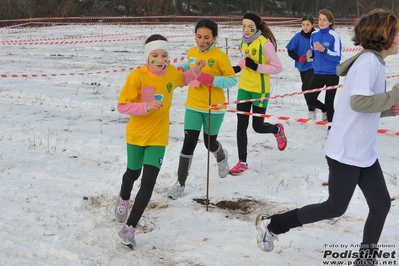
(137, 156)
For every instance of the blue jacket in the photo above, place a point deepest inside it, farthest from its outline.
(300, 44)
(326, 62)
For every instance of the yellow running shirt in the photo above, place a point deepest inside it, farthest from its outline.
(251, 80)
(151, 129)
(217, 64)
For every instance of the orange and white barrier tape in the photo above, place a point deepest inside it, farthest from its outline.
(43, 75)
(81, 41)
(305, 120)
(24, 41)
(215, 106)
(344, 50)
(283, 118)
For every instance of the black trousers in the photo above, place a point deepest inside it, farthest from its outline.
(306, 77)
(319, 81)
(148, 180)
(258, 125)
(191, 140)
(342, 182)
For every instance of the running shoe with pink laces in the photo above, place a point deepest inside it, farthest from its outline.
(239, 168)
(280, 137)
(127, 236)
(121, 209)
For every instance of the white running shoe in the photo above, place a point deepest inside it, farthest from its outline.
(312, 115)
(127, 234)
(223, 166)
(176, 191)
(264, 238)
(324, 116)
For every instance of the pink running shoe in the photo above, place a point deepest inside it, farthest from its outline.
(280, 137)
(239, 168)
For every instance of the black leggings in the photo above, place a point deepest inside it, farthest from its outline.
(150, 174)
(342, 182)
(258, 125)
(191, 140)
(318, 81)
(306, 77)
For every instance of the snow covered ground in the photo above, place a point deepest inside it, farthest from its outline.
(62, 156)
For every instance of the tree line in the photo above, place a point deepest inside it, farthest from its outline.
(17, 9)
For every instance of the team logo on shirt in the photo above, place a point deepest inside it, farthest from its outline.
(169, 87)
(160, 161)
(253, 51)
(326, 44)
(211, 62)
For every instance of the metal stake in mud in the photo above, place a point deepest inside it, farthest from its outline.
(209, 145)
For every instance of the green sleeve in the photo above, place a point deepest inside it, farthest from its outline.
(376, 103)
(185, 66)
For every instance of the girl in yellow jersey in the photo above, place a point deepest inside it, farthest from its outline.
(259, 60)
(146, 97)
(218, 74)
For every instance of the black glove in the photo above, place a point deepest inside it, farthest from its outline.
(236, 69)
(251, 63)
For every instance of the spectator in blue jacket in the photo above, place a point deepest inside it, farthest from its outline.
(325, 48)
(297, 49)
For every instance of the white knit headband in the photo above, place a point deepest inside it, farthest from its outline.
(154, 45)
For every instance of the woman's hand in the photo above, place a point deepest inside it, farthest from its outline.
(319, 47)
(395, 108)
(198, 66)
(154, 105)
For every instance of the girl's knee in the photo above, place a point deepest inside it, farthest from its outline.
(257, 128)
(150, 175)
(148, 183)
(383, 207)
(132, 175)
(336, 211)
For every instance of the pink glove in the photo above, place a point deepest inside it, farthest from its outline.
(206, 78)
(195, 83)
(302, 59)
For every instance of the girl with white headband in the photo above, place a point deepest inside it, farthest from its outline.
(146, 97)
